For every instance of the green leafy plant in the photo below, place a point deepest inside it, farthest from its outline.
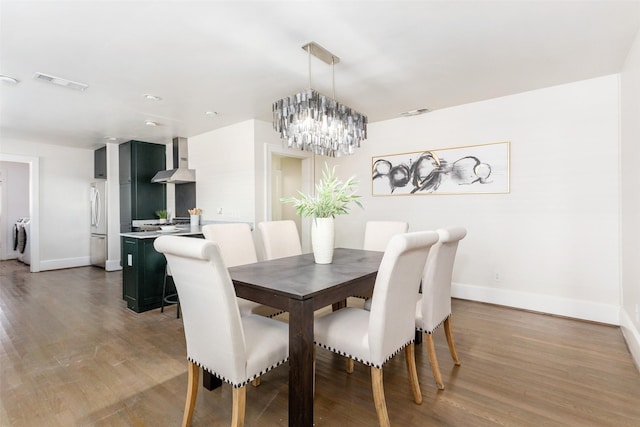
(332, 197)
(162, 214)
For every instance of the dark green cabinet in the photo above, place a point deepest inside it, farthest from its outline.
(100, 163)
(142, 274)
(125, 162)
(139, 197)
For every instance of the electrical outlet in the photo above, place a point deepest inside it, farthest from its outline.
(497, 276)
(219, 211)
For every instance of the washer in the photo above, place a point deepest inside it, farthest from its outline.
(16, 233)
(24, 245)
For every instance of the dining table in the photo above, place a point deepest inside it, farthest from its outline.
(300, 286)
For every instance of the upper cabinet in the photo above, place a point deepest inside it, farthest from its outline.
(139, 197)
(125, 162)
(100, 163)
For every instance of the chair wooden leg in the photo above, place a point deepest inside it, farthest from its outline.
(452, 345)
(192, 392)
(349, 365)
(378, 397)
(239, 405)
(410, 357)
(433, 360)
(256, 382)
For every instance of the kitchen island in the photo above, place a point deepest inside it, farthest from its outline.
(143, 268)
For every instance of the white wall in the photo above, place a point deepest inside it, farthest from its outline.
(224, 161)
(630, 191)
(14, 179)
(553, 239)
(113, 208)
(63, 205)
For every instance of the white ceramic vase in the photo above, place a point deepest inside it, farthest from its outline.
(323, 239)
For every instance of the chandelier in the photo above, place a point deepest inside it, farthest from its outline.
(311, 121)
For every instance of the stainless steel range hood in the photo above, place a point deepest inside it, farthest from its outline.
(182, 174)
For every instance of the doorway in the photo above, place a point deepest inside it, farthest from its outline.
(33, 190)
(286, 181)
(288, 172)
(14, 205)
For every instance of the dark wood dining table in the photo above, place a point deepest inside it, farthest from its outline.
(300, 286)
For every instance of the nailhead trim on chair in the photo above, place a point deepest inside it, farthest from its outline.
(436, 327)
(342, 353)
(276, 314)
(244, 383)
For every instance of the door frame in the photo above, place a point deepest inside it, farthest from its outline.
(34, 205)
(308, 172)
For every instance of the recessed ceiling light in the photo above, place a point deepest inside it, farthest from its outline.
(150, 123)
(60, 81)
(9, 80)
(110, 138)
(211, 113)
(415, 112)
(152, 97)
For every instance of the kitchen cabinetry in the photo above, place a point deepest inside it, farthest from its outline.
(100, 163)
(143, 269)
(142, 274)
(139, 197)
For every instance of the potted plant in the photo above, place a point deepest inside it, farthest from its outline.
(162, 214)
(332, 197)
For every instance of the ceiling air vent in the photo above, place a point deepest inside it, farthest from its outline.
(60, 81)
(415, 112)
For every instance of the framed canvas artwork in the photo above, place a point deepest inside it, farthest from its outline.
(461, 170)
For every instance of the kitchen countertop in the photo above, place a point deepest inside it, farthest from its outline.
(184, 230)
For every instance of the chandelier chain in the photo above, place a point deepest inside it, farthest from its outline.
(309, 58)
(333, 77)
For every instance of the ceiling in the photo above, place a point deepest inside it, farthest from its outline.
(236, 57)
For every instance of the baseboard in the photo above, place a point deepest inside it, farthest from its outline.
(585, 310)
(113, 265)
(631, 336)
(57, 264)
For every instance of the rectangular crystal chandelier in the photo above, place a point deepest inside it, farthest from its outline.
(311, 121)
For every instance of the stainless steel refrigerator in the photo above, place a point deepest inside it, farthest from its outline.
(98, 248)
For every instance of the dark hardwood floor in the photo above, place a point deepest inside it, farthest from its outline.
(72, 354)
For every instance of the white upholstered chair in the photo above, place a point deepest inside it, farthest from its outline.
(434, 303)
(373, 337)
(235, 242)
(237, 248)
(236, 349)
(378, 233)
(280, 239)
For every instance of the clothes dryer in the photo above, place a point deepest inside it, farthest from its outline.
(23, 239)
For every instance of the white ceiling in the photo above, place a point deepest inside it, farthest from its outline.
(237, 57)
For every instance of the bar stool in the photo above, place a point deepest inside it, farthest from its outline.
(171, 298)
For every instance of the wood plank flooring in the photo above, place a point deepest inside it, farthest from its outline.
(72, 354)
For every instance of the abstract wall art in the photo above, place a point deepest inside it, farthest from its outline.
(460, 170)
